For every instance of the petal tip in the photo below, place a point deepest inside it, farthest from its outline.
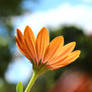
(27, 29)
(74, 43)
(79, 52)
(44, 29)
(62, 37)
(27, 26)
(17, 30)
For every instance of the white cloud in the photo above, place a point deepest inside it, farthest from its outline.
(19, 70)
(64, 14)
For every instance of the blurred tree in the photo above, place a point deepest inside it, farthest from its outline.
(10, 7)
(5, 55)
(7, 87)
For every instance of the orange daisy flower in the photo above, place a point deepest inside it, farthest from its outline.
(43, 54)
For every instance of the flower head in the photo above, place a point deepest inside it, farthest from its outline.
(43, 54)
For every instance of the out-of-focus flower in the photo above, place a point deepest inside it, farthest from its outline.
(45, 55)
(73, 80)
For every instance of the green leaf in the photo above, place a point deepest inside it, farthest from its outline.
(19, 87)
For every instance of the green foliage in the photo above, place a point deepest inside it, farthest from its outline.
(6, 87)
(5, 55)
(19, 87)
(10, 7)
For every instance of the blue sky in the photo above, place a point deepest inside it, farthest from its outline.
(51, 13)
(45, 5)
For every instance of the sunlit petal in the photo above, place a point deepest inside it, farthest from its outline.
(69, 59)
(42, 42)
(21, 48)
(54, 48)
(29, 39)
(21, 44)
(67, 49)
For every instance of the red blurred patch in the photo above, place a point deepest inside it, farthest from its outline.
(73, 81)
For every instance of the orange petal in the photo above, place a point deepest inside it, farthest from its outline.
(71, 58)
(54, 48)
(21, 43)
(21, 48)
(29, 39)
(42, 42)
(19, 35)
(67, 49)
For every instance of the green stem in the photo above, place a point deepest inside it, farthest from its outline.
(31, 82)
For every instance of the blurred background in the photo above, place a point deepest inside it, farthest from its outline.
(70, 18)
